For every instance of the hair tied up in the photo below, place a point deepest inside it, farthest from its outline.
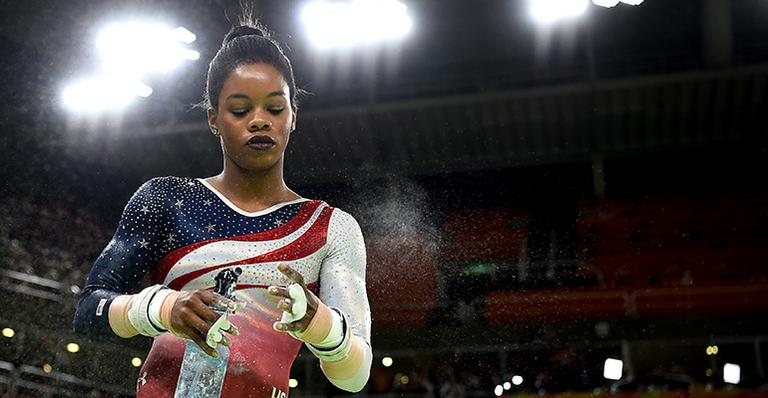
(241, 31)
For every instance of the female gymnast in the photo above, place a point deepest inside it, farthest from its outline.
(178, 233)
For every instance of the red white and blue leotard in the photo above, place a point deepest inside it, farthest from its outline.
(181, 231)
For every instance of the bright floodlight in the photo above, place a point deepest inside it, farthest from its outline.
(548, 11)
(73, 347)
(498, 390)
(612, 369)
(507, 385)
(8, 332)
(387, 362)
(138, 47)
(605, 3)
(104, 93)
(293, 383)
(345, 24)
(732, 373)
(136, 362)
(517, 380)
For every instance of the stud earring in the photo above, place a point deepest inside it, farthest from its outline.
(215, 131)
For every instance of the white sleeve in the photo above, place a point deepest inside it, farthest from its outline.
(342, 286)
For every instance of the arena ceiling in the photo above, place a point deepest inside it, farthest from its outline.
(477, 86)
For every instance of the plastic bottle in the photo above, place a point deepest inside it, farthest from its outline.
(201, 375)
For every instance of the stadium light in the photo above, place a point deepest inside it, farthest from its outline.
(731, 373)
(498, 390)
(387, 362)
(138, 48)
(507, 385)
(549, 11)
(103, 93)
(73, 347)
(517, 380)
(136, 362)
(129, 51)
(8, 332)
(613, 368)
(293, 383)
(605, 3)
(332, 24)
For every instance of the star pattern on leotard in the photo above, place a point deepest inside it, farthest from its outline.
(168, 213)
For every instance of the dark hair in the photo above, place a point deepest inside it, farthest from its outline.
(248, 43)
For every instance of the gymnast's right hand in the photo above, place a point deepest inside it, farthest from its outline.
(199, 315)
(192, 317)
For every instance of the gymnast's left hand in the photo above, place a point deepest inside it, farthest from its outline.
(285, 302)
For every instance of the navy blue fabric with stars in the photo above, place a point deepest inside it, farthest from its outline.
(166, 213)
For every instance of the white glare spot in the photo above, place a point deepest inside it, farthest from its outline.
(343, 24)
(387, 362)
(613, 368)
(732, 373)
(498, 391)
(605, 3)
(103, 93)
(293, 383)
(183, 35)
(507, 385)
(517, 380)
(548, 11)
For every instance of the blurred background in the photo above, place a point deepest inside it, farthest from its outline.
(558, 197)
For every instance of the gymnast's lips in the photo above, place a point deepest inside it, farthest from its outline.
(261, 142)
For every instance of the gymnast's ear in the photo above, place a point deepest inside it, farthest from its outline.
(212, 118)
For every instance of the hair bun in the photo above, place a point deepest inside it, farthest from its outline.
(244, 30)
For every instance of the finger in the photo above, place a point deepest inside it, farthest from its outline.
(291, 274)
(204, 312)
(286, 305)
(283, 327)
(195, 323)
(233, 330)
(205, 347)
(215, 300)
(278, 291)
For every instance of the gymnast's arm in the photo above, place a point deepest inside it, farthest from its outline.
(108, 309)
(342, 288)
(134, 248)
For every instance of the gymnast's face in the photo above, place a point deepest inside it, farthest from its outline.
(255, 117)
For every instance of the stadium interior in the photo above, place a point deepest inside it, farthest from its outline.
(541, 201)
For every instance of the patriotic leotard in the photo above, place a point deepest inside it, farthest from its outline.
(181, 232)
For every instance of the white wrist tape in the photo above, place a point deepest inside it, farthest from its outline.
(139, 313)
(299, 307)
(341, 349)
(155, 306)
(336, 335)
